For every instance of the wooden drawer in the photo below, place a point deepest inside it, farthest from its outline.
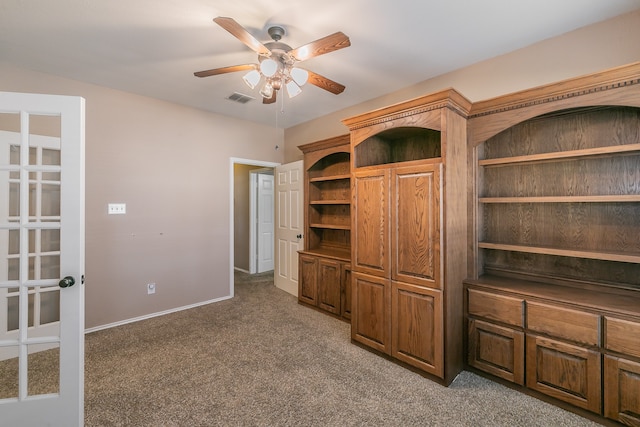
(578, 326)
(500, 308)
(622, 336)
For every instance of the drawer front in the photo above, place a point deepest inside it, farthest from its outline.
(500, 308)
(622, 336)
(573, 325)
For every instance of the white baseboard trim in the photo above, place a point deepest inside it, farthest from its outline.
(149, 316)
(242, 270)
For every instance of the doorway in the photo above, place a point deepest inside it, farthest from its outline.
(245, 176)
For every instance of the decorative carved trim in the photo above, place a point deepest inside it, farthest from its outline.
(325, 143)
(627, 75)
(401, 115)
(557, 97)
(448, 98)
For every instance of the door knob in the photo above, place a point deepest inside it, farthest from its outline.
(299, 236)
(67, 282)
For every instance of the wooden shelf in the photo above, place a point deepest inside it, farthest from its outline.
(547, 250)
(329, 178)
(331, 226)
(341, 254)
(563, 199)
(332, 202)
(562, 155)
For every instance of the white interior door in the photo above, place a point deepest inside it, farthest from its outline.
(289, 225)
(265, 222)
(41, 260)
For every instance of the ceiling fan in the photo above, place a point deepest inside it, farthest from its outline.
(276, 61)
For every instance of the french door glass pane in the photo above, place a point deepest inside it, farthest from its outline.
(9, 372)
(43, 373)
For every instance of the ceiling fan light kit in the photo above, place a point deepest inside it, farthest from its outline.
(276, 61)
(252, 78)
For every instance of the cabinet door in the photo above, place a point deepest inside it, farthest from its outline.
(622, 390)
(564, 371)
(370, 320)
(370, 220)
(416, 331)
(308, 282)
(346, 291)
(329, 285)
(497, 350)
(415, 219)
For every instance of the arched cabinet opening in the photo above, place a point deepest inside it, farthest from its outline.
(398, 145)
(559, 195)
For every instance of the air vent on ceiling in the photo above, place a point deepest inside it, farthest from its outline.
(240, 97)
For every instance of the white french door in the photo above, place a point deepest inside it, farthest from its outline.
(289, 225)
(41, 260)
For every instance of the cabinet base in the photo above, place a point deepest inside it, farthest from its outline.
(319, 310)
(420, 372)
(543, 397)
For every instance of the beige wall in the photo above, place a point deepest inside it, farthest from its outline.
(241, 215)
(171, 165)
(590, 49)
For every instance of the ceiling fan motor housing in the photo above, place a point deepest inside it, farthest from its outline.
(276, 32)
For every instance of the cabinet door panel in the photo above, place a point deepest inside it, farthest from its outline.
(329, 285)
(622, 390)
(564, 371)
(417, 327)
(497, 350)
(370, 237)
(370, 321)
(415, 227)
(307, 284)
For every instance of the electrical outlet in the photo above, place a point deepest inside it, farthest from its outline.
(151, 288)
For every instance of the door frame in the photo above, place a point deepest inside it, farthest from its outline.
(232, 162)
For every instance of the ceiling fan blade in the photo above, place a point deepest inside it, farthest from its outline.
(324, 83)
(270, 100)
(241, 34)
(321, 46)
(224, 70)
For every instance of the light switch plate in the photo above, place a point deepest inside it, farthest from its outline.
(117, 208)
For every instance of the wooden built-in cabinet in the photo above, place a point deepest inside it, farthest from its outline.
(408, 231)
(324, 263)
(553, 298)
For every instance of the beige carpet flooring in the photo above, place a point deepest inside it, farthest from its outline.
(261, 359)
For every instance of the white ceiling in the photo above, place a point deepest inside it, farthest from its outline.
(152, 47)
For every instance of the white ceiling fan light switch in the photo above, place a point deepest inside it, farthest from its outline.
(117, 208)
